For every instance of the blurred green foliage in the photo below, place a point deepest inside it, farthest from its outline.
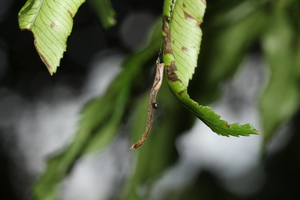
(230, 29)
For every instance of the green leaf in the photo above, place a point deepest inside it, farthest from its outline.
(186, 18)
(281, 47)
(51, 23)
(180, 30)
(105, 12)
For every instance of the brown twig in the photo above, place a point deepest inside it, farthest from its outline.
(152, 103)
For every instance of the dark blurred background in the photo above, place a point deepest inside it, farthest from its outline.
(39, 113)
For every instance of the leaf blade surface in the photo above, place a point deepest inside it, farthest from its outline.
(180, 66)
(51, 23)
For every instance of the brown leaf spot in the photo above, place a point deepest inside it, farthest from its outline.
(173, 41)
(188, 16)
(198, 25)
(183, 5)
(71, 15)
(227, 125)
(53, 25)
(173, 77)
(180, 93)
(183, 48)
(171, 68)
(204, 1)
(166, 38)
